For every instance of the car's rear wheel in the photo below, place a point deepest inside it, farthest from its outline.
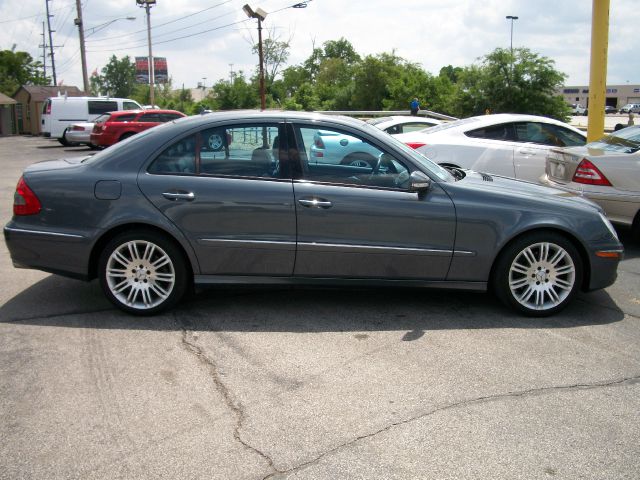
(143, 272)
(538, 274)
(63, 140)
(125, 136)
(359, 160)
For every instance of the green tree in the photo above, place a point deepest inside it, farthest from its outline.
(234, 94)
(17, 69)
(520, 83)
(118, 77)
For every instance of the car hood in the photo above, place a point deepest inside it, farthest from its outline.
(511, 187)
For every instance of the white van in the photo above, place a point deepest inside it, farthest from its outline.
(59, 113)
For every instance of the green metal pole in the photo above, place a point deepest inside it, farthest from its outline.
(598, 76)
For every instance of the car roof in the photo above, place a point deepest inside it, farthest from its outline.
(142, 110)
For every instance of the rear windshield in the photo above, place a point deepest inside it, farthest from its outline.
(102, 118)
(448, 125)
(376, 121)
(626, 140)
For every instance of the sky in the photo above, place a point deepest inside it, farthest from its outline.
(205, 40)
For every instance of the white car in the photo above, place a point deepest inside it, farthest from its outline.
(79, 133)
(606, 171)
(403, 124)
(511, 145)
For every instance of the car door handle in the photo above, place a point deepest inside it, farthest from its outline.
(315, 203)
(175, 196)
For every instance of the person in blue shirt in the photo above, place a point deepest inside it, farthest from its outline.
(414, 106)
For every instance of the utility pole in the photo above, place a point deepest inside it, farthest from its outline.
(146, 4)
(83, 54)
(53, 62)
(44, 53)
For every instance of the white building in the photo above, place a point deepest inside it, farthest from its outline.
(617, 95)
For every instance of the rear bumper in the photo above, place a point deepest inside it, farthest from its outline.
(55, 252)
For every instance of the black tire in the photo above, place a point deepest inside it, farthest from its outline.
(538, 274)
(143, 272)
(360, 160)
(63, 140)
(125, 136)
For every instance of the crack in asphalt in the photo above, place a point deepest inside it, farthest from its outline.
(236, 407)
(474, 401)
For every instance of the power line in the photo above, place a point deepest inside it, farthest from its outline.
(32, 16)
(153, 28)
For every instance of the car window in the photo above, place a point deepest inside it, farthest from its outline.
(626, 140)
(544, 134)
(167, 117)
(150, 117)
(238, 150)
(123, 118)
(130, 106)
(102, 118)
(334, 156)
(502, 131)
(408, 127)
(179, 158)
(97, 107)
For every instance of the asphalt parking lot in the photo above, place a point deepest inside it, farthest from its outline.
(301, 383)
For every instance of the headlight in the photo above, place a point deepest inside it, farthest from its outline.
(609, 226)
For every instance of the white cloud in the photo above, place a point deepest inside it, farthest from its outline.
(433, 33)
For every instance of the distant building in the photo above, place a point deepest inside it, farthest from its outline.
(7, 108)
(30, 98)
(616, 96)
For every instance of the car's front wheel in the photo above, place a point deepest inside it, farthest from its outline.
(538, 274)
(143, 272)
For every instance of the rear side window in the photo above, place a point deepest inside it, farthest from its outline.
(167, 117)
(123, 118)
(96, 107)
(492, 132)
(150, 117)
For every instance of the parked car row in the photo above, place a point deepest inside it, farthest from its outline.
(244, 197)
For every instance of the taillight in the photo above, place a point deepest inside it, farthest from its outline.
(25, 201)
(589, 174)
(49, 106)
(77, 128)
(317, 141)
(415, 145)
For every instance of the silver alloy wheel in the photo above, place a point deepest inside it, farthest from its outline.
(542, 276)
(140, 274)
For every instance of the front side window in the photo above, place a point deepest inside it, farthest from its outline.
(96, 107)
(130, 106)
(150, 118)
(333, 156)
(122, 118)
(547, 134)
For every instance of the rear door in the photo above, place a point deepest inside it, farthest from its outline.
(224, 189)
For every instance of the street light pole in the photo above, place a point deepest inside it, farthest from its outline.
(512, 18)
(147, 6)
(260, 15)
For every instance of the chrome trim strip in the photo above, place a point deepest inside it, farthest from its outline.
(226, 241)
(372, 248)
(40, 232)
(464, 253)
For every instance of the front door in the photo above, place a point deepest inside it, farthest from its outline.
(360, 220)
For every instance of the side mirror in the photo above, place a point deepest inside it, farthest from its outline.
(419, 182)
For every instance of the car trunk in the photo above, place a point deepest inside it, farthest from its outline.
(561, 166)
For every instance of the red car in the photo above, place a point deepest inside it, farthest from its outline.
(112, 127)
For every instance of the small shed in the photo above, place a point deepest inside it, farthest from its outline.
(30, 98)
(7, 108)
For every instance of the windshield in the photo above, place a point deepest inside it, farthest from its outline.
(626, 140)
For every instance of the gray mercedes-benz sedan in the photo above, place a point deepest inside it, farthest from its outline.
(234, 198)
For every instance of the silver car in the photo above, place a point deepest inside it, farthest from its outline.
(606, 171)
(79, 133)
(234, 198)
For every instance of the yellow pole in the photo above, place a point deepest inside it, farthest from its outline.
(598, 77)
